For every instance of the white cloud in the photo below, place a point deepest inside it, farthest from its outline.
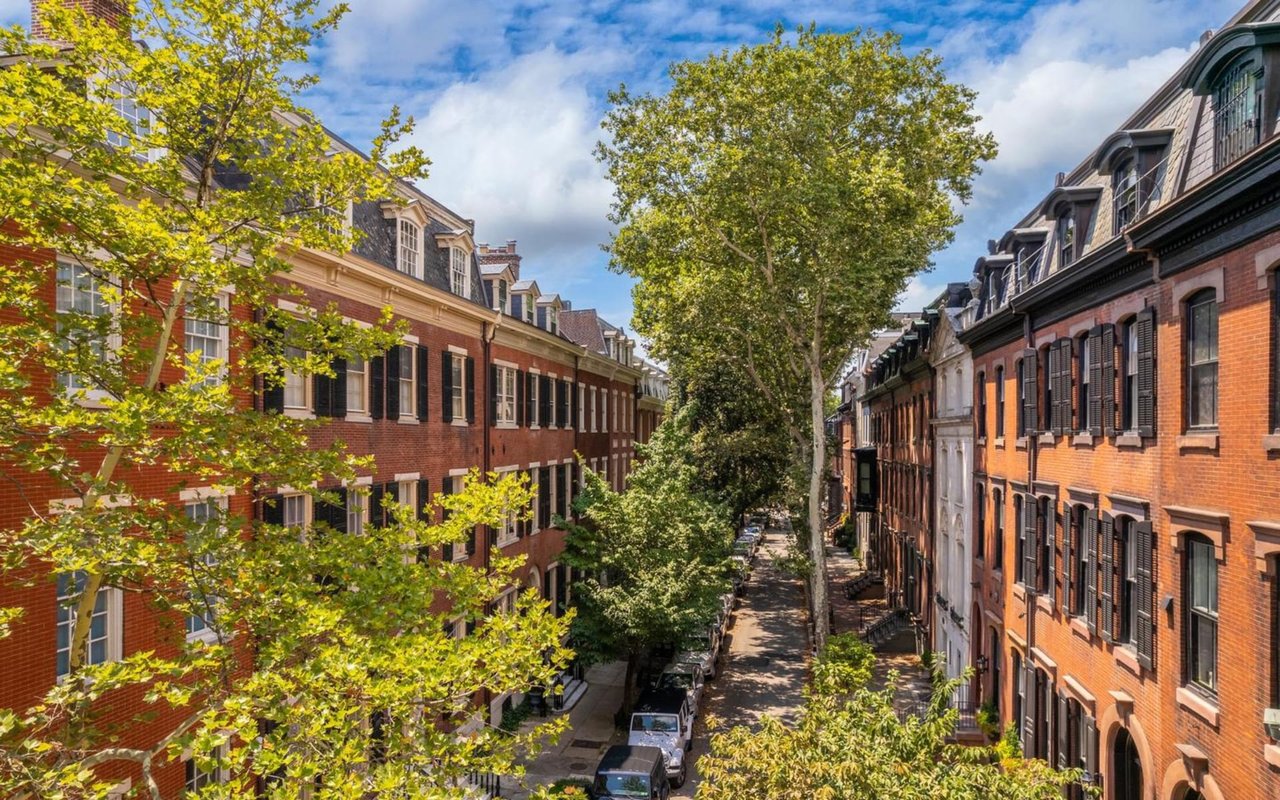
(918, 294)
(514, 150)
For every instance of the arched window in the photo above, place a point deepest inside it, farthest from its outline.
(1202, 359)
(1125, 188)
(1126, 768)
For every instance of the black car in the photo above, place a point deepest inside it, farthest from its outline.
(632, 772)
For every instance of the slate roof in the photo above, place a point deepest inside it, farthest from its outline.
(583, 327)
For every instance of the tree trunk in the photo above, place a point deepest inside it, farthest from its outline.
(628, 686)
(817, 541)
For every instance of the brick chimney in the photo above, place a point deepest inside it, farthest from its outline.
(112, 11)
(505, 254)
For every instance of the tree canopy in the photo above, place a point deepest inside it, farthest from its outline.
(774, 203)
(161, 179)
(850, 742)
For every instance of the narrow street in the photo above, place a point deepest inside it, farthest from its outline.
(764, 659)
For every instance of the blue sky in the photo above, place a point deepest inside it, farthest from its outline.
(508, 95)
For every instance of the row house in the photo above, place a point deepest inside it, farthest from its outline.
(485, 378)
(1125, 337)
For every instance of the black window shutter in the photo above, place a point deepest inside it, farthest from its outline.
(273, 391)
(424, 498)
(544, 400)
(1031, 544)
(1091, 571)
(577, 483)
(377, 386)
(1145, 594)
(1107, 386)
(1146, 323)
(544, 497)
(1054, 377)
(561, 486)
(393, 383)
(573, 405)
(471, 389)
(423, 364)
(1061, 702)
(530, 389)
(273, 509)
(322, 395)
(493, 394)
(377, 516)
(471, 542)
(1029, 392)
(1066, 363)
(339, 407)
(520, 413)
(1106, 564)
(1094, 343)
(1070, 541)
(446, 386)
(562, 404)
(338, 510)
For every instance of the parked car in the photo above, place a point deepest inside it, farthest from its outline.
(744, 548)
(707, 639)
(705, 659)
(627, 771)
(687, 676)
(662, 718)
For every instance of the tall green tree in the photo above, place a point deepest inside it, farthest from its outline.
(161, 177)
(850, 742)
(652, 557)
(774, 203)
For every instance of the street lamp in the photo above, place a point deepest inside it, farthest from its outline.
(981, 663)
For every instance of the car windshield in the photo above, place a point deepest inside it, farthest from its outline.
(622, 784)
(655, 723)
(676, 680)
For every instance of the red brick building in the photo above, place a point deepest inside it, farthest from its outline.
(1128, 374)
(485, 378)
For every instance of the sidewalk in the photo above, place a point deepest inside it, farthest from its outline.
(590, 733)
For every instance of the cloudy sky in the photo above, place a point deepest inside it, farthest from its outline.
(508, 96)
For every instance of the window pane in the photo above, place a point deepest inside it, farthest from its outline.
(355, 384)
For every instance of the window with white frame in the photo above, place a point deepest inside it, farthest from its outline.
(335, 213)
(407, 494)
(615, 410)
(507, 529)
(553, 319)
(458, 366)
(357, 509)
(293, 510)
(297, 389)
(582, 406)
(407, 381)
(201, 513)
(409, 250)
(207, 339)
(198, 778)
(506, 395)
(357, 386)
(137, 119)
(594, 418)
(458, 272)
(105, 629)
(80, 300)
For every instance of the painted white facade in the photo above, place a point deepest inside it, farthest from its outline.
(953, 494)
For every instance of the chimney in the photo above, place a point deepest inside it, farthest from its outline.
(565, 305)
(112, 12)
(511, 246)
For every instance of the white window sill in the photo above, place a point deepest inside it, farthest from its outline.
(505, 425)
(1127, 657)
(1048, 438)
(403, 420)
(1044, 604)
(1271, 443)
(535, 427)
(1195, 440)
(1020, 443)
(299, 413)
(359, 417)
(1083, 439)
(998, 442)
(1271, 753)
(1129, 439)
(1080, 627)
(459, 423)
(1203, 708)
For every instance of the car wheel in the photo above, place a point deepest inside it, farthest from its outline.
(679, 780)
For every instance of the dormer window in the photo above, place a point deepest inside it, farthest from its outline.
(1066, 238)
(553, 319)
(459, 272)
(528, 309)
(503, 296)
(1125, 191)
(1237, 113)
(409, 249)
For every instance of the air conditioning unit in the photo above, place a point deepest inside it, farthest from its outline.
(1271, 721)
